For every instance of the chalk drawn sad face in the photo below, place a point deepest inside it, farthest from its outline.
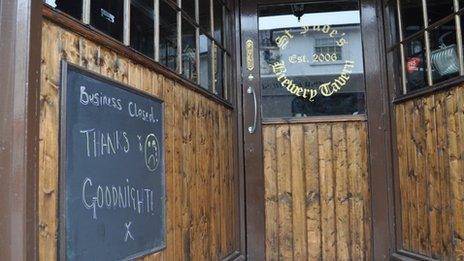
(152, 152)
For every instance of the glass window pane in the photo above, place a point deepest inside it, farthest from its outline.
(108, 17)
(218, 23)
(71, 7)
(142, 26)
(416, 64)
(189, 59)
(168, 36)
(219, 71)
(438, 9)
(311, 59)
(205, 15)
(412, 16)
(444, 52)
(189, 7)
(205, 62)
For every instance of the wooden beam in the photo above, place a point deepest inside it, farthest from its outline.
(20, 24)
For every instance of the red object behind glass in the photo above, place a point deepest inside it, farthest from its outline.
(414, 64)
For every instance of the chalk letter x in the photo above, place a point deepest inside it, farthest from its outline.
(128, 233)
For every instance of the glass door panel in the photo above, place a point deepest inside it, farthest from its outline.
(311, 60)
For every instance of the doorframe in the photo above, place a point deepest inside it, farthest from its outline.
(380, 149)
(379, 129)
(21, 24)
(253, 166)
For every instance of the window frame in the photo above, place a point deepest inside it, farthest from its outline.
(397, 41)
(227, 8)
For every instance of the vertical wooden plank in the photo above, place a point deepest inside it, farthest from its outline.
(284, 179)
(422, 179)
(48, 143)
(177, 159)
(233, 196)
(341, 191)
(403, 174)
(135, 76)
(456, 168)
(271, 193)
(223, 187)
(90, 55)
(188, 163)
(108, 63)
(195, 249)
(327, 192)
(412, 178)
(313, 202)
(229, 184)
(444, 177)
(169, 156)
(433, 179)
(147, 81)
(215, 189)
(120, 67)
(354, 173)
(70, 47)
(157, 88)
(208, 175)
(459, 94)
(298, 193)
(364, 177)
(204, 177)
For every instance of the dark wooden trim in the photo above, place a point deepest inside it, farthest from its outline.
(314, 119)
(253, 143)
(402, 255)
(102, 39)
(429, 90)
(378, 102)
(236, 97)
(240, 258)
(233, 256)
(20, 47)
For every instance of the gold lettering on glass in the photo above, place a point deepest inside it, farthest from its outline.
(325, 89)
(250, 57)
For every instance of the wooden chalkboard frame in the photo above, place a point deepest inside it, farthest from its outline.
(65, 65)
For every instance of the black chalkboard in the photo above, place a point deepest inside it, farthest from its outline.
(112, 184)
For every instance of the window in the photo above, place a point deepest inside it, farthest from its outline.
(192, 38)
(311, 59)
(143, 27)
(205, 62)
(108, 17)
(168, 36)
(424, 43)
(71, 7)
(327, 50)
(189, 50)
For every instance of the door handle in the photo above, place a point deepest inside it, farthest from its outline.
(252, 128)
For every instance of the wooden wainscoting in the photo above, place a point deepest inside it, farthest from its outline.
(202, 198)
(430, 148)
(317, 191)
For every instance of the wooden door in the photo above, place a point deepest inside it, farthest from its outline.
(308, 144)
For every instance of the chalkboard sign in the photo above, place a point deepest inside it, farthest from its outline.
(112, 185)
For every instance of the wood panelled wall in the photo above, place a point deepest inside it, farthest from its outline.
(202, 202)
(430, 146)
(317, 191)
